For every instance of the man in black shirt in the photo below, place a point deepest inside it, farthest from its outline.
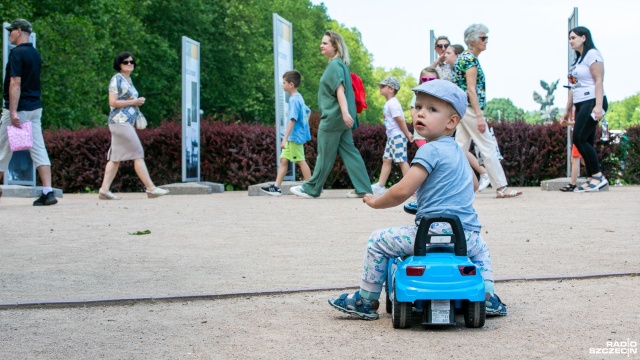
(21, 95)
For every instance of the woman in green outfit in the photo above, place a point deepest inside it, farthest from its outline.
(338, 111)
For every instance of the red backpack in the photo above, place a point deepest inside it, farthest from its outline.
(359, 93)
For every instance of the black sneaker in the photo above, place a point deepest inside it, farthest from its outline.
(271, 190)
(46, 200)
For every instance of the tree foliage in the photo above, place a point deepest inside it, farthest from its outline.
(79, 39)
(376, 101)
(501, 109)
(625, 113)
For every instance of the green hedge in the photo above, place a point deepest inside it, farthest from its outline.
(243, 154)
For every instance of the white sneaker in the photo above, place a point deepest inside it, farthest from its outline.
(353, 194)
(484, 182)
(377, 189)
(299, 191)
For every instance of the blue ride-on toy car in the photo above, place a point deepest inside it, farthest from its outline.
(437, 279)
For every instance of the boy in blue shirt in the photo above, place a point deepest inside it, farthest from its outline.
(295, 136)
(444, 182)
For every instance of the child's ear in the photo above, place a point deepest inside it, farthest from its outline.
(453, 121)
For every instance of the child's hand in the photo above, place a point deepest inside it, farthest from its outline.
(370, 200)
(283, 143)
(410, 138)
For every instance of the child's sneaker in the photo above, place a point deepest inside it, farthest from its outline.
(355, 305)
(271, 190)
(495, 306)
(484, 182)
(377, 189)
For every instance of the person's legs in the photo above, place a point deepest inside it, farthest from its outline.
(382, 244)
(38, 153)
(44, 172)
(110, 171)
(282, 171)
(475, 165)
(304, 169)
(484, 180)
(575, 170)
(462, 135)
(353, 162)
(584, 137)
(487, 146)
(584, 130)
(385, 170)
(141, 169)
(328, 143)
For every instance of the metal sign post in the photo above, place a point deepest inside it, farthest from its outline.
(190, 110)
(573, 22)
(21, 170)
(432, 40)
(283, 62)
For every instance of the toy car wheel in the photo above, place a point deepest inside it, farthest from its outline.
(389, 304)
(400, 314)
(475, 314)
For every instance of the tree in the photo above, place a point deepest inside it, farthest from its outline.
(501, 109)
(625, 113)
(78, 41)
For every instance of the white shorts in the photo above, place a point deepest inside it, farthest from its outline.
(38, 153)
(396, 149)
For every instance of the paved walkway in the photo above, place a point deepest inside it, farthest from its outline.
(224, 243)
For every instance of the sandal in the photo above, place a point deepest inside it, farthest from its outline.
(355, 305)
(589, 187)
(503, 194)
(567, 188)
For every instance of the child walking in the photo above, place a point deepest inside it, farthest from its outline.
(575, 163)
(296, 134)
(444, 182)
(395, 150)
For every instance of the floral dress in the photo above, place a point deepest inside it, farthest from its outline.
(466, 61)
(125, 91)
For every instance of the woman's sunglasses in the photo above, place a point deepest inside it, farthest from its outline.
(442, 46)
(483, 38)
(128, 62)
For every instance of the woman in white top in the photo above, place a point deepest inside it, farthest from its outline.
(587, 95)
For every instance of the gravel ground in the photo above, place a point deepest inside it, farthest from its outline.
(232, 243)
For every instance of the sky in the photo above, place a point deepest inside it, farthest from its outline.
(528, 41)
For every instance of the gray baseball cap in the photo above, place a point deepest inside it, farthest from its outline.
(21, 24)
(391, 82)
(446, 91)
